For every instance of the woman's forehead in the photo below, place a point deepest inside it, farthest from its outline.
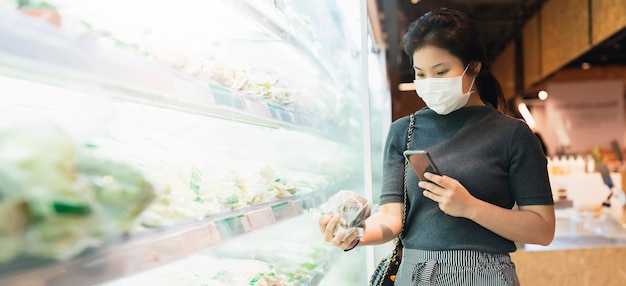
(430, 57)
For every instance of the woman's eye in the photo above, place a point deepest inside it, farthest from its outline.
(419, 75)
(442, 73)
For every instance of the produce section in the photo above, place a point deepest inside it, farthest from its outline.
(135, 142)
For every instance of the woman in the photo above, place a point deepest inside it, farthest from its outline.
(461, 227)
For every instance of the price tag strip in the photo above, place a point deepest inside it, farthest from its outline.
(261, 218)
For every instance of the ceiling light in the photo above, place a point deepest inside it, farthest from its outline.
(585, 66)
(414, 1)
(528, 118)
(406, 86)
(543, 95)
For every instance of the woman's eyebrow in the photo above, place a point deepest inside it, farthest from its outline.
(435, 66)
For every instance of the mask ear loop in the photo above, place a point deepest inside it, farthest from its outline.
(471, 85)
(469, 91)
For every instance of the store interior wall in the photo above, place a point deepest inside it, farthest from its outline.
(574, 75)
(585, 114)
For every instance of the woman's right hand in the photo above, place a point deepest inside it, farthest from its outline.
(328, 223)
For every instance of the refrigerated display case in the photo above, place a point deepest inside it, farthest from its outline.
(185, 142)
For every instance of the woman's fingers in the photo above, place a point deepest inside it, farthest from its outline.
(348, 241)
(344, 241)
(324, 220)
(331, 226)
(328, 224)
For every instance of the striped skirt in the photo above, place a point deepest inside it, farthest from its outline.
(455, 267)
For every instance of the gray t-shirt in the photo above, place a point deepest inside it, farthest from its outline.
(496, 157)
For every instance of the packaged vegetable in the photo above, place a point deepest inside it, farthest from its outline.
(121, 190)
(354, 209)
(55, 202)
(12, 229)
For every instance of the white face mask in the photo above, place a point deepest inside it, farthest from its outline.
(443, 95)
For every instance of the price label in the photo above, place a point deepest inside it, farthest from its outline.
(261, 218)
(280, 113)
(282, 210)
(213, 235)
(232, 226)
(257, 107)
(296, 207)
(245, 222)
(226, 98)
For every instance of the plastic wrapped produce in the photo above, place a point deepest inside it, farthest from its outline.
(353, 208)
(121, 190)
(64, 235)
(178, 199)
(210, 191)
(267, 84)
(61, 203)
(12, 230)
(241, 188)
(39, 173)
(178, 192)
(186, 197)
(216, 68)
(41, 157)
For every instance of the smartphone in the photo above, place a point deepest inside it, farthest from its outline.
(421, 161)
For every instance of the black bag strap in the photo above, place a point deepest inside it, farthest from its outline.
(398, 241)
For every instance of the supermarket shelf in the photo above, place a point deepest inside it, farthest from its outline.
(151, 248)
(279, 24)
(43, 53)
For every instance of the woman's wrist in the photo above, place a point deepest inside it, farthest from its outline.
(356, 242)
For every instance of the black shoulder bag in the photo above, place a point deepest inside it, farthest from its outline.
(385, 272)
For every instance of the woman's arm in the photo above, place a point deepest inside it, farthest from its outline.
(380, 227)
(384, 225)
(530, 224)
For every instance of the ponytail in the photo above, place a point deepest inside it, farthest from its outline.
(490, 90)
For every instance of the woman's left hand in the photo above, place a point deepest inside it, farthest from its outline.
(328, 223)
(452, 197)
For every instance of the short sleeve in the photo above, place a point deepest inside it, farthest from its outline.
(528, 173)
(393, 162)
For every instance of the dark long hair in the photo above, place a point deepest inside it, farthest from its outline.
(457, 33)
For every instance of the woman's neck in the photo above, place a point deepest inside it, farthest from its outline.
(474, 100)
